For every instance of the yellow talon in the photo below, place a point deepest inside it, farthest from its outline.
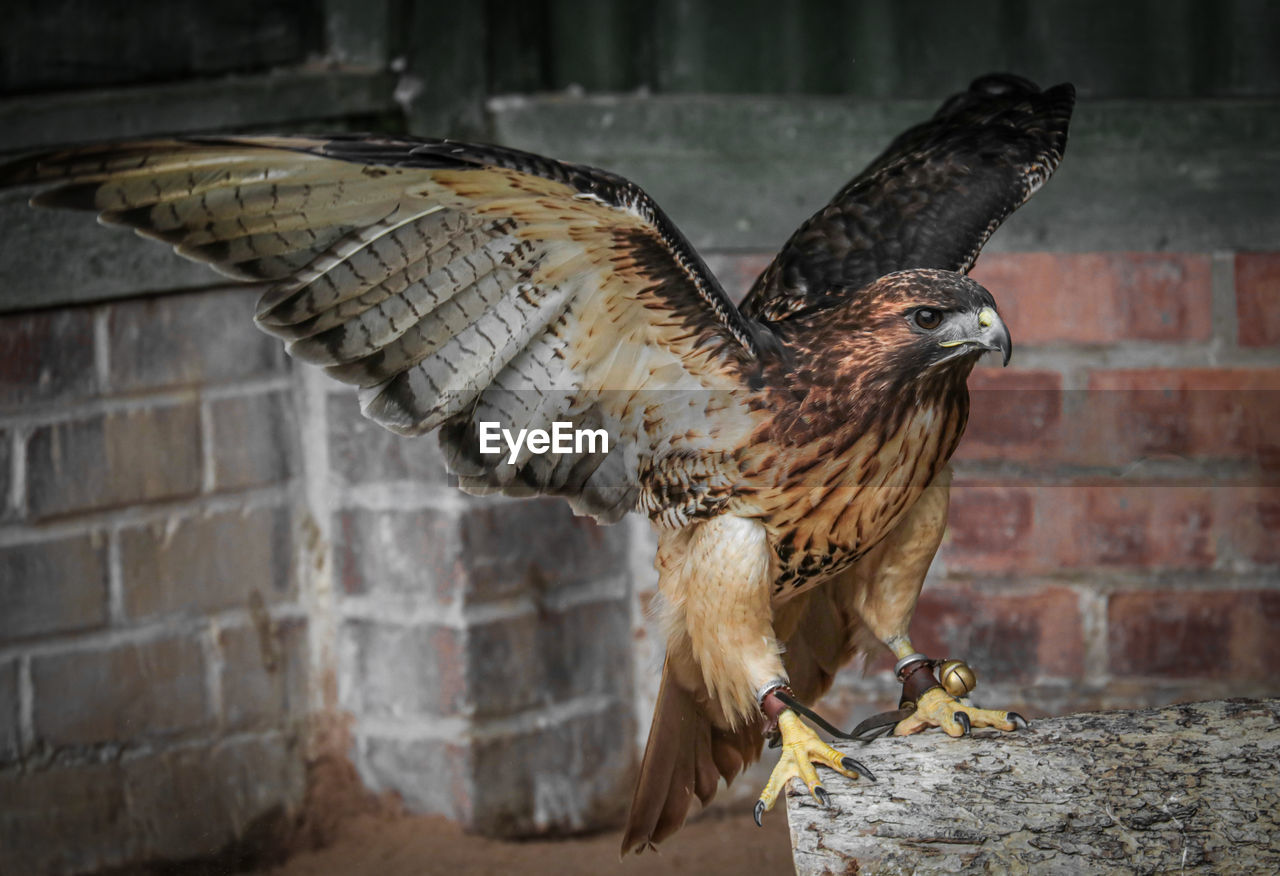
(801, 749)
(937, 708)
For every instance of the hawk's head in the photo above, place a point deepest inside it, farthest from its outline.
(903, 343)
(923, 322)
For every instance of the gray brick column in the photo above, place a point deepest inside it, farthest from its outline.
(484, 644)
(154, 643)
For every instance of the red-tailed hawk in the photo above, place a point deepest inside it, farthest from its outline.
(792, 452)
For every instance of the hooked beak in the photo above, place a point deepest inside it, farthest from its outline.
(985, 331)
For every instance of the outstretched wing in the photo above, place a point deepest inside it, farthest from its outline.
(930, 200)
(454, 284)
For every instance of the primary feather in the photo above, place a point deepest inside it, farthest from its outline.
(452, 283)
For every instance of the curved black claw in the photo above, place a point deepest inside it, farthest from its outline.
(758, 813)
(823, 797)
(1018, 721)
(963, 720)
(854, 766)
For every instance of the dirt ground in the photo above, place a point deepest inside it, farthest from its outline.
(425, 845)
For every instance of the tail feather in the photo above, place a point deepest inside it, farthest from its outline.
(685, 757)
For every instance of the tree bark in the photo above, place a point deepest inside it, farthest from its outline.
(1189, 788)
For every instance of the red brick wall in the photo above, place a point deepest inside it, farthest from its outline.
(1115, 526)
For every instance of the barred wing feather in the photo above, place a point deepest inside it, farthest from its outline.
(453, 284)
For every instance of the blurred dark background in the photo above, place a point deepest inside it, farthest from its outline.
(909, 49)
(220, 587)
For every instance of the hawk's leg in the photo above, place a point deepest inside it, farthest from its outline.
(801, 751)
(891, 576)
(715, 577)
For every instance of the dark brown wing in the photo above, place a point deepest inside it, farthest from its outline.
(454, 284)
(930, 200)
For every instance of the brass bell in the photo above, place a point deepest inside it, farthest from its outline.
(957, 677)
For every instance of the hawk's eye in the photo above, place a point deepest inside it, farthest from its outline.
(928, 318)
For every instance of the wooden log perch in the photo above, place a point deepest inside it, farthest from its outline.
(1191, 788)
